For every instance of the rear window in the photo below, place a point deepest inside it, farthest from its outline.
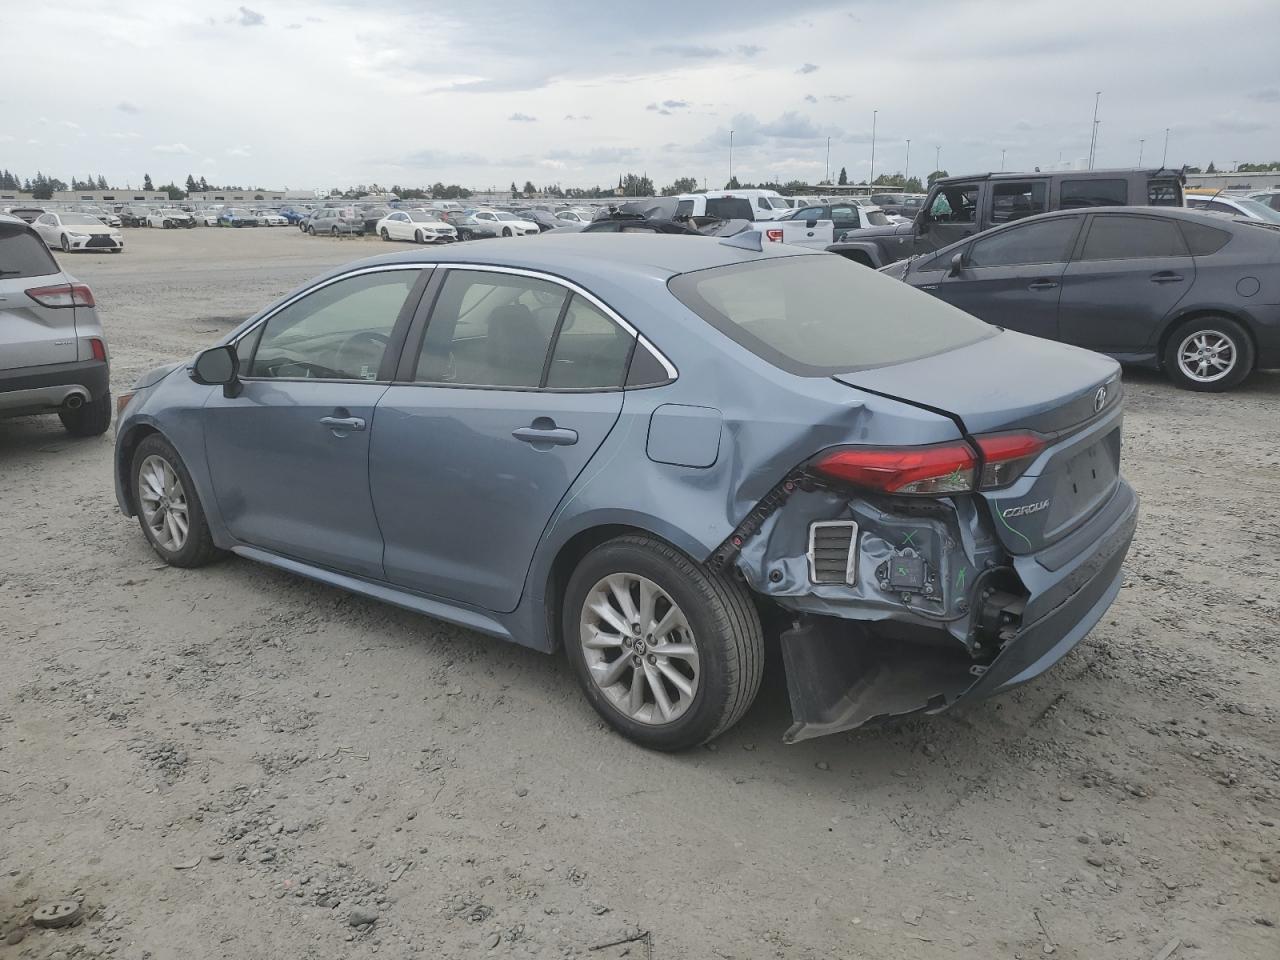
(819, 315)
(23, 255)
(1203, 240)
(1164, 193)
(729, 208)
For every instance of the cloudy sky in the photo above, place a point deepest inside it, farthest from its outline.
(322, 93)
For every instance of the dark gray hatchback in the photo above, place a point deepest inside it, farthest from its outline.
(1194, 294)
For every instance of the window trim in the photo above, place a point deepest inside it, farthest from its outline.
(412, 350)
(397, 336)
(1082, 238)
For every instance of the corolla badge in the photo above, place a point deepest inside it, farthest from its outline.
(1100, 398)
(1024, 509)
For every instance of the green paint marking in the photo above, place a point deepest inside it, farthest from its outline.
(902, 571)
(908, 541)
(1000, 517)
(960, 578)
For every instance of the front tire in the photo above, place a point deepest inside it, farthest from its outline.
(311, 231)
(169, 510)
(1209, 354)
(633, 598)
(418, 237)
(333, 232)
(506, 231)
(66, 244)
(89, 419)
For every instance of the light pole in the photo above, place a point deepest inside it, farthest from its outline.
(872, 178)
(828, 177)
(937, 158)
(730, 156)
(1002, 160)
(1093, 138)
(1140, 145)
(1165, 157)
(906, 166)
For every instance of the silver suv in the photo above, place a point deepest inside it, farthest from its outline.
(53, 356)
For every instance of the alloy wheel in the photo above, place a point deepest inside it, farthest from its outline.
(66, 244)
(163, 502)
(639, 648)
(1206, 356)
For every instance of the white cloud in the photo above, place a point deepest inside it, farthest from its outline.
(251, 18)
(808, 68)
(124, 106)
(175, 149)
(242, 151)
(522, 118)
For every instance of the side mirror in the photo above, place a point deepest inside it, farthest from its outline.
(810, 223)
(218, 366)
(957, 262)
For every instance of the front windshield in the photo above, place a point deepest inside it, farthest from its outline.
(507, 216)
(877, 218)
(80, 220)
(419, 217)
(1260, 210)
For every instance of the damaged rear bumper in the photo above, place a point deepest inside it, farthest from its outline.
(843, 673)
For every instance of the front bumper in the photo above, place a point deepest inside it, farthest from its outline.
(96, 241)
(29, 390)
(842, 675)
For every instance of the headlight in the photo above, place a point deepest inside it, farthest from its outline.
(116, 237)
(78, 236)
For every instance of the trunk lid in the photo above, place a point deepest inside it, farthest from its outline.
(31, 334)
(1071, 397)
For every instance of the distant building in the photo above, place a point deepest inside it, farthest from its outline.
(108, 196)
(1235, 182)
(248, 196)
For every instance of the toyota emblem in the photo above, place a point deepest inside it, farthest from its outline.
(1100, 399)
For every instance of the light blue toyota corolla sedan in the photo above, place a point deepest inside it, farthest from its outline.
(642, 448)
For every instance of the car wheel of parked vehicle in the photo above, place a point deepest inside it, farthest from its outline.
(418, 237)
(667, 651)
(506, 231)
(333, 232)
(168, 509)
(311, 231)
(385, 234)
(1211, 354)
(66, 244)
(88, 419)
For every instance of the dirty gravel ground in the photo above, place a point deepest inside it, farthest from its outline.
(228, 762)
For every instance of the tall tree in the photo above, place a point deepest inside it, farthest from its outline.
(733, 184)
(529, 188)
(204, 185)
(192, 186)
(1210, 168)
(102, 183)
(844, 177)
(146, 182)
(936, 174)
(682, 185)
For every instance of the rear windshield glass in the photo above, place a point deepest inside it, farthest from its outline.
(22, 254)
(729, 208)
(820, 315)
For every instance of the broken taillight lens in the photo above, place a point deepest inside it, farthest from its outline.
(62, 295)
(774, 234)
(932, 470)
(1006, 456)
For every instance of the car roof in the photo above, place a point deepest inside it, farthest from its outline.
(1108, 174)
(574, 255)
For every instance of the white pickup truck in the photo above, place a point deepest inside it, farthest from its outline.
(821, 225)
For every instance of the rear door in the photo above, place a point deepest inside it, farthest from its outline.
(1130, 272)
(1012, 277)
(504, 398)
(31, 334)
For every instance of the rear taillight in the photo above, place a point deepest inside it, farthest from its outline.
(774, 234)
(1006, 456)
(62, 295)
(937, 469)
(933, 470)
(99, 348)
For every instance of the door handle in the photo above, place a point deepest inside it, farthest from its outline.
(1042, 285)
(554, 436)
(343, 423)
(1166, 276)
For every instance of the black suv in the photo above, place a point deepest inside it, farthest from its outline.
(957, 207)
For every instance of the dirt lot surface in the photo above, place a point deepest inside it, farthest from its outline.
(234, 762)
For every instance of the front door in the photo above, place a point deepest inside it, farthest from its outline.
(1129, 275)
(952, 216)
(289, 456)
(515, 386)
(1012, 277)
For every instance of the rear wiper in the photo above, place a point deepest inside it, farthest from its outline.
(9, 273)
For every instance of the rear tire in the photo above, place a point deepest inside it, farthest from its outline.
(89, 419)
(385, 235)
(311, 231)
(1208, 354)
(714, 617)
(333, 232)
(168, 484)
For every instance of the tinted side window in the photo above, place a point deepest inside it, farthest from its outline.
(1046, 242)
(1203, 240)
(23, 255)
(684, 208)
(1011, 201)
(490, 329)
(591, 350)
(1218, 207)
(1164, 193)
(1128, 238)
(1094, 193)
(339, 332)
(729, 208)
